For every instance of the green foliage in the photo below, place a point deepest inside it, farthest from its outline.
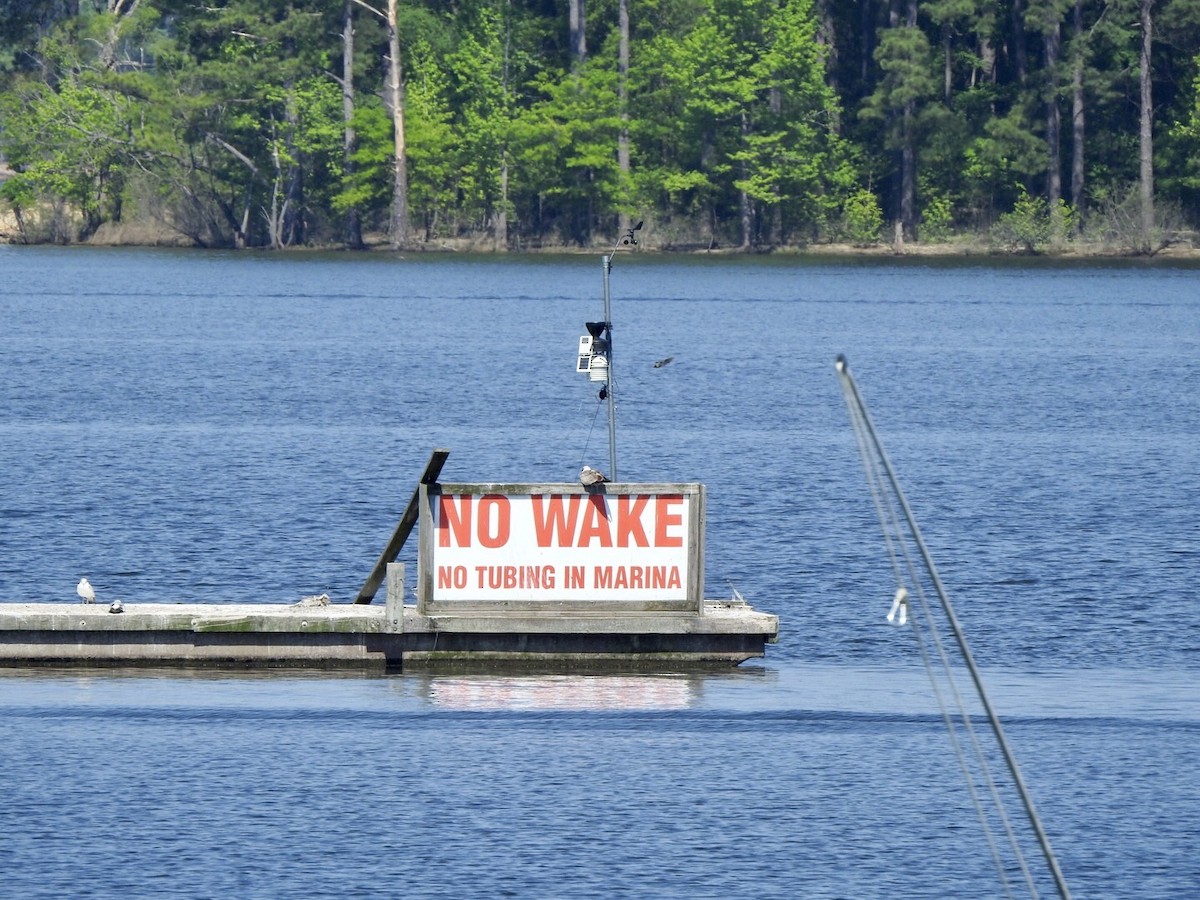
(904, 57)
(1033, 223)
(68, 142)
(744, 111)
(937, 218)
(1001, 163)
(749, 121)
(429, 134)
(367, 187)
(862, 219)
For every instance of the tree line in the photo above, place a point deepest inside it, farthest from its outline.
(512, 124)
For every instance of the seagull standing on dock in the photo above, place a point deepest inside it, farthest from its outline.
(589, 476)
(84, 590)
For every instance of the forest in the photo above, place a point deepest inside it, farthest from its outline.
(523, 124)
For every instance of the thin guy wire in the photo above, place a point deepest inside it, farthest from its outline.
(858, 419)
(888, 523)
(588, 439)
(952, 619)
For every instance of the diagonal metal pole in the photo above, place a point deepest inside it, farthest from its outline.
(407, 521)
(959, 636)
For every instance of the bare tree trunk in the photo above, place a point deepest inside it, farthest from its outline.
(1052, 43)
(908, 175)
(1077, 109)
(623, 105)
(500, 240)
(866, 27)
(827, 37)
(1020, 57)
(908, 157)
(401, 226)
(500, 229)
(353, 224)
(987, 57)
(744, 198)
(292, 222)
(118, 9)
(947, 66)
(576, 15)
(1146, 154)
(903, 14)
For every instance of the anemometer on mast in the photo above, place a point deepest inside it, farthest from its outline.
(595, 358)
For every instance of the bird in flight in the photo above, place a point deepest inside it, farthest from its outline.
(84, 590)
(589, 476)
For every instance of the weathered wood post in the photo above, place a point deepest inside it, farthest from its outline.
(407, 521)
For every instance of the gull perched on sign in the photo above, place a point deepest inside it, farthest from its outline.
(84, 590)
(589, 476)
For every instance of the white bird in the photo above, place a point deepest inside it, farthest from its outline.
(84, 590)
(589, 476)
(117, 607)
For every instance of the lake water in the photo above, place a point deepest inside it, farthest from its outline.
(211, 427)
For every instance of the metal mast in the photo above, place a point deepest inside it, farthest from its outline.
(629, 239)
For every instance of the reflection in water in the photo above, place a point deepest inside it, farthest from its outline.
(616, 692)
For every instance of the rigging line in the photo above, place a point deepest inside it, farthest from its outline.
(874, 482)
(962, 760)
(964, 715)
(891, 523)
(588, 439)
(893, 535)
(962, 712)
(961, 640)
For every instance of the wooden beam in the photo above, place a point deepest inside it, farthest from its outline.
(407, 521)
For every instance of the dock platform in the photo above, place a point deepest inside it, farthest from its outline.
(383, 637)
(565, 577)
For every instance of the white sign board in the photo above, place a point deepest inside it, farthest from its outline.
(526, 546)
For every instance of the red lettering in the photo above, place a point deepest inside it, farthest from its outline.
(454, 521)
(665, 517)
(603, 576)
(595, 523)
(494, 529)
(629, 520)
(553, 525)
(452, 577)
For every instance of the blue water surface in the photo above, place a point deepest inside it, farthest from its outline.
(216, 428)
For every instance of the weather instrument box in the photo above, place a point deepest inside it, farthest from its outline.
(592, 359)
(585, 354)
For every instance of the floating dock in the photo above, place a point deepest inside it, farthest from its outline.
(536, 576)
(386, 637)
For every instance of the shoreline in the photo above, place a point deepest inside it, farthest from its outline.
(965, 247)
